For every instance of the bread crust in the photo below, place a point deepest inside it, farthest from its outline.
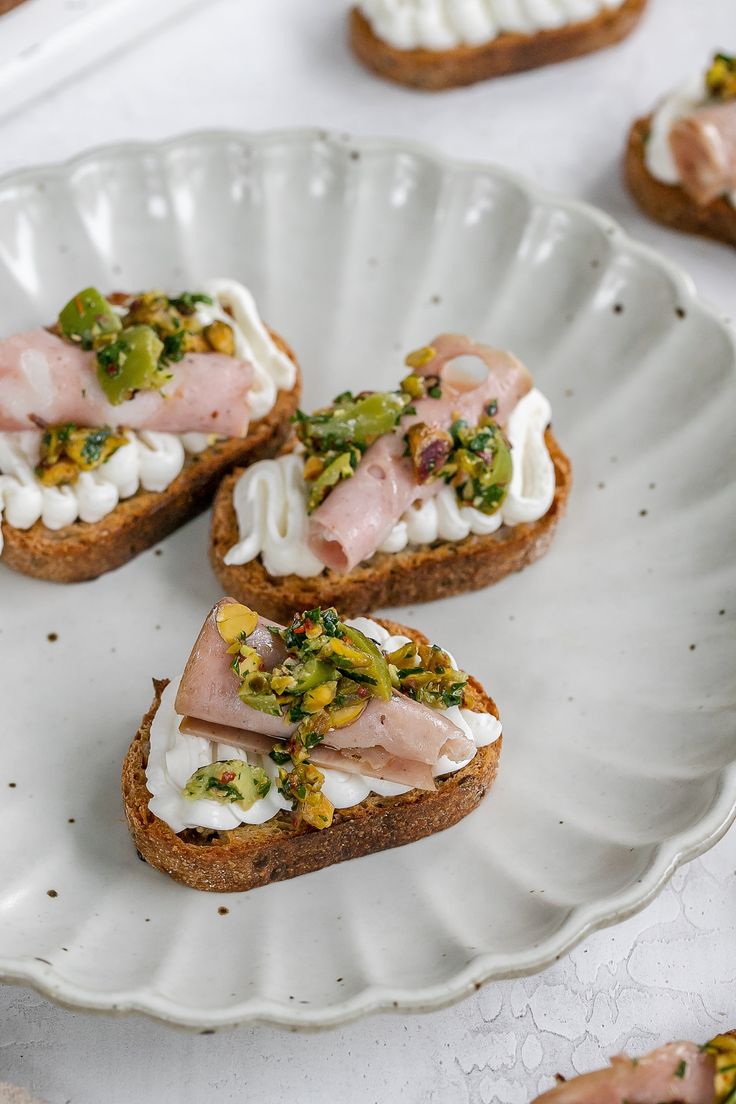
(669, 203)
(389, 579)
(84, 550)
(8, 5)
(255, 855)
(435, 70)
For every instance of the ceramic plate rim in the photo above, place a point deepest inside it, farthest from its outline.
(582, 921)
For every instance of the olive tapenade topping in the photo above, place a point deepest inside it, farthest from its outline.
(229, 781)
(67, 450)
(136, 344)
(474, 460)
(426, 673)
(336, 437)
(720, 80)
(331, 672)
(723, 1050)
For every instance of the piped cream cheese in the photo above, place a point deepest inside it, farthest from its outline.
(446, 24)
(270, 502)
(685, 100)
(150, 460)
(174, 757)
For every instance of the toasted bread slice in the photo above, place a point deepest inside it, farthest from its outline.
(435, 70)
(669, 203)
(83, 550)
(389, 579)
(254, 855)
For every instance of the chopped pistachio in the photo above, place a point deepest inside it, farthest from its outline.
(720, 80)
(235, 622)
(220, 337)
(67, 450)
(420, 357)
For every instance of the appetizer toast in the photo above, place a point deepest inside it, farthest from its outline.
(670, 203)
(677, 1073)
(286, 845)
(390, 579)
(436, 70)
(86, 550)
(143, 405)
(446, 485)
(680, 161)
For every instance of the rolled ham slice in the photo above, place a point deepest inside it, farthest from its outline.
(209, 690)
(358, 515)
(46, 380)
(704, 148)
(406, 772)
(399, 731)
(678, 1072)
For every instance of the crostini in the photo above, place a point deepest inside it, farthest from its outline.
(439, 44)
(681, 160)
(118, 423)
(446, 485)
(283, 749)
(678, 1073)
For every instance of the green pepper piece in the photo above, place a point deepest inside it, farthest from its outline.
(130, 364)
(341, 468)
(87, 316)
(353, 422)
(377, 669)
(310, 674)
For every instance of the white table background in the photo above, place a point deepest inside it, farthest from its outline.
(669, 972)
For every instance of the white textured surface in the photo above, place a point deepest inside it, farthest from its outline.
(663, 974)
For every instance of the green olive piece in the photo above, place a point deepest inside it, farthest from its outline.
(340, 468)
(87, 316)
(310, 674)
(130, 364)
(353, 422)
(377, 668)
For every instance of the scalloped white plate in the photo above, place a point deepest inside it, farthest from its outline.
(612, 660)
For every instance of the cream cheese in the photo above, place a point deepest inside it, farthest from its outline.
(658, 158)
(150, 461)
(446, 24)
(173, 758)
(270, 502)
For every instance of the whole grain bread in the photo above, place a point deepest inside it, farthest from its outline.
(254, 855)
(389, 579)
(435, 70)
(85, 550)
(669, 203)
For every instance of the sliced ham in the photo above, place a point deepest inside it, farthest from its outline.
(387, 732)
(43, 377)
(357, 516)
(386, 724)
(704, 148)
(208, 687)
(372, 764)
(679, 1073)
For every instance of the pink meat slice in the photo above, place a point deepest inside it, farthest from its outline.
(358, 515)
(44, 377)
(678, 1072)
(372, 764)
(209, 689)
(386, 724)
(401, 728)
(704, 148)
